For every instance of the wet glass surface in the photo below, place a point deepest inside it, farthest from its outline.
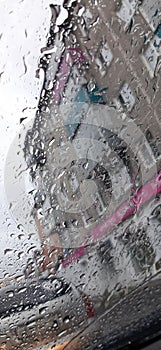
(80, 242)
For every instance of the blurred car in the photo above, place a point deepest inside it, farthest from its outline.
(40, 310)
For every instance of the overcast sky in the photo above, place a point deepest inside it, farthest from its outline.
(24, 27)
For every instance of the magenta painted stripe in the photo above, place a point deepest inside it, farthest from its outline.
(120, 215)
(149, 190)
(70, 57)
(124, 211)
(144, 194)
(76, 54)
(78, 253)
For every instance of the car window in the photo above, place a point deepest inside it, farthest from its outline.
(80, 179)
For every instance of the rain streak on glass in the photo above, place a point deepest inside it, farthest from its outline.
(80, 173)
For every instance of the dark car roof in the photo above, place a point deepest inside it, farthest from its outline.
(22, 296)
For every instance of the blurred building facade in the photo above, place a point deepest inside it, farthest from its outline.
(108, 54)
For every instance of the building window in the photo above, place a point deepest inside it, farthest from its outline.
(151, 11)
(151, 56)
(127, 12)
(107, 255)
(126, 97)
(152, 143)
(139, 247)
(86, 20)
(103, 58)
